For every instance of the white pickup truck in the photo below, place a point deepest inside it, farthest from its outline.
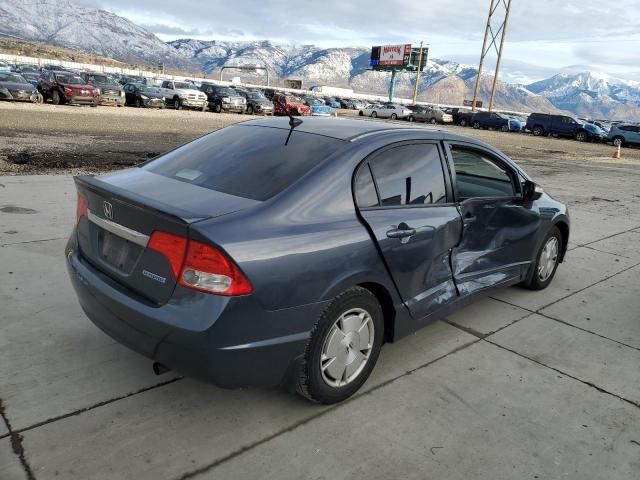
(183, 94)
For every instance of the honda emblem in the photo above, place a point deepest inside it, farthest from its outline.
(107, 208)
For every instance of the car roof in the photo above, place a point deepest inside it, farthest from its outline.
(346, 129)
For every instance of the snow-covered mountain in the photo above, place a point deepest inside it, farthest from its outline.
(63, 23)
(591, 94)
(66, 24)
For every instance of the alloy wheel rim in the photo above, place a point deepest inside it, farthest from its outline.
(548, 259)
(347, 347)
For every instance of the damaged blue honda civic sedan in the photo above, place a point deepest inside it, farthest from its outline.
(282, 252)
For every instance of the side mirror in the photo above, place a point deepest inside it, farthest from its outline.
(531, 191)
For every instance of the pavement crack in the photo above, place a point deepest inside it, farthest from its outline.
(97, 405)
(32, 241)
(16, 444)
(584, 382)
(307, 420)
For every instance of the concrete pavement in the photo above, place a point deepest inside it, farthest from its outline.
(520, 385)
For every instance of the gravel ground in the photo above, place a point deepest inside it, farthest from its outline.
(74, 140)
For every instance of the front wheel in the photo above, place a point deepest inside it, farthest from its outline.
(581, 136)
(476, 125)
(250, 109)
(55, 98)
(394, 116)
(433, 121)
(618, 142)
(463, 123)
(411, 119)
(537, 131)
(217, 108)
(547, 260)
(177, 104)
(374, 114)
(343, 348)
(504, 128)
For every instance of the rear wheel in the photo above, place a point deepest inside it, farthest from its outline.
(55, 98)
(504, 128)
(463, 122)
(547, 260)
(374, 114)
(139, 103)
(250, 109)
(217, 108)
(538, 131)
(410, 118)
(394, 116)
(433, 121)
(343, 348)
(361, 113)
(476, 125)
(581, 136)
(618, 142)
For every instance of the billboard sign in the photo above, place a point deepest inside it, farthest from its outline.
(469, 103)
(394, 55)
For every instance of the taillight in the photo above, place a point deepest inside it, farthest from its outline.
(199, 266)
(81, 207)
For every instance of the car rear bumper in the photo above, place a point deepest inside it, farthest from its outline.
(213, 343)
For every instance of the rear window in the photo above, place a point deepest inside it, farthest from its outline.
(245, 161)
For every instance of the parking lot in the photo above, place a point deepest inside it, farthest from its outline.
(527, 385)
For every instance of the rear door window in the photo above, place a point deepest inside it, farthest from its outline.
(246, 161)
(409, 175)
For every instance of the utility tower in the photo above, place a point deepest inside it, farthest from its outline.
(496, 29)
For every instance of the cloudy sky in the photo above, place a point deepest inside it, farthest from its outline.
(544, 36)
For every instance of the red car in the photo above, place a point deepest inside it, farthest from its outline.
(289, 105)
(67, 87)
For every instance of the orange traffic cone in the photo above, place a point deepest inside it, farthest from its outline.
(616, 152)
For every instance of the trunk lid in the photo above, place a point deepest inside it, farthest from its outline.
(125, 208)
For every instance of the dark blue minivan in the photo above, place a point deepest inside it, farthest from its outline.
(277, 252)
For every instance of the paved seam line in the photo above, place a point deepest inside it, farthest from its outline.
(611, 253)
(481, 335)
(97, 405)
(610, 236)
(592, 385)
(32, 241)
(16, 444)
(300, 423)
(571, 294)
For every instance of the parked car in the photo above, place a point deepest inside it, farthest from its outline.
(461, 116)
(358, 105)
(563, 126)
(32, 78)
(392, 111)
(27, 68)
(182, 94)
(144, 96)
(497, 121)
(111, 92)
(430, 115)
(624, 135)
(133, 79)
(223, 99)
(368, 110)
(318, 107)
(258, 103)
(14, 87)
(270, 254)
(64, 87)
(289, 105)
(5, 67)
(269, 93)
(332, 102)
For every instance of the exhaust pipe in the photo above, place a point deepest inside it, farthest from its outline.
(159, 368)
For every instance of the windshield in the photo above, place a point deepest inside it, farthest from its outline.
(183, 85)
(103, 79)
(69, 79)
(228, 92)
(12, 77)
(256, 96)
(259, 168)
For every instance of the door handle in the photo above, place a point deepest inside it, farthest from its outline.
(401, 233)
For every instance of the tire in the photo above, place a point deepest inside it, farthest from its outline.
(463, 122)
(433, 121)
(476, 125)
(39, 99)
(504, 128)
(374, 114)
(217, 108)
(581, 136)
(411, 119)
(346, 313)
(394, 116)
(537, 131)
(249, 109)
(177, 104)
(618, 142)
(545, 267)
(55, 98)
(139, 103)
(361, 113)
(204, 107)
